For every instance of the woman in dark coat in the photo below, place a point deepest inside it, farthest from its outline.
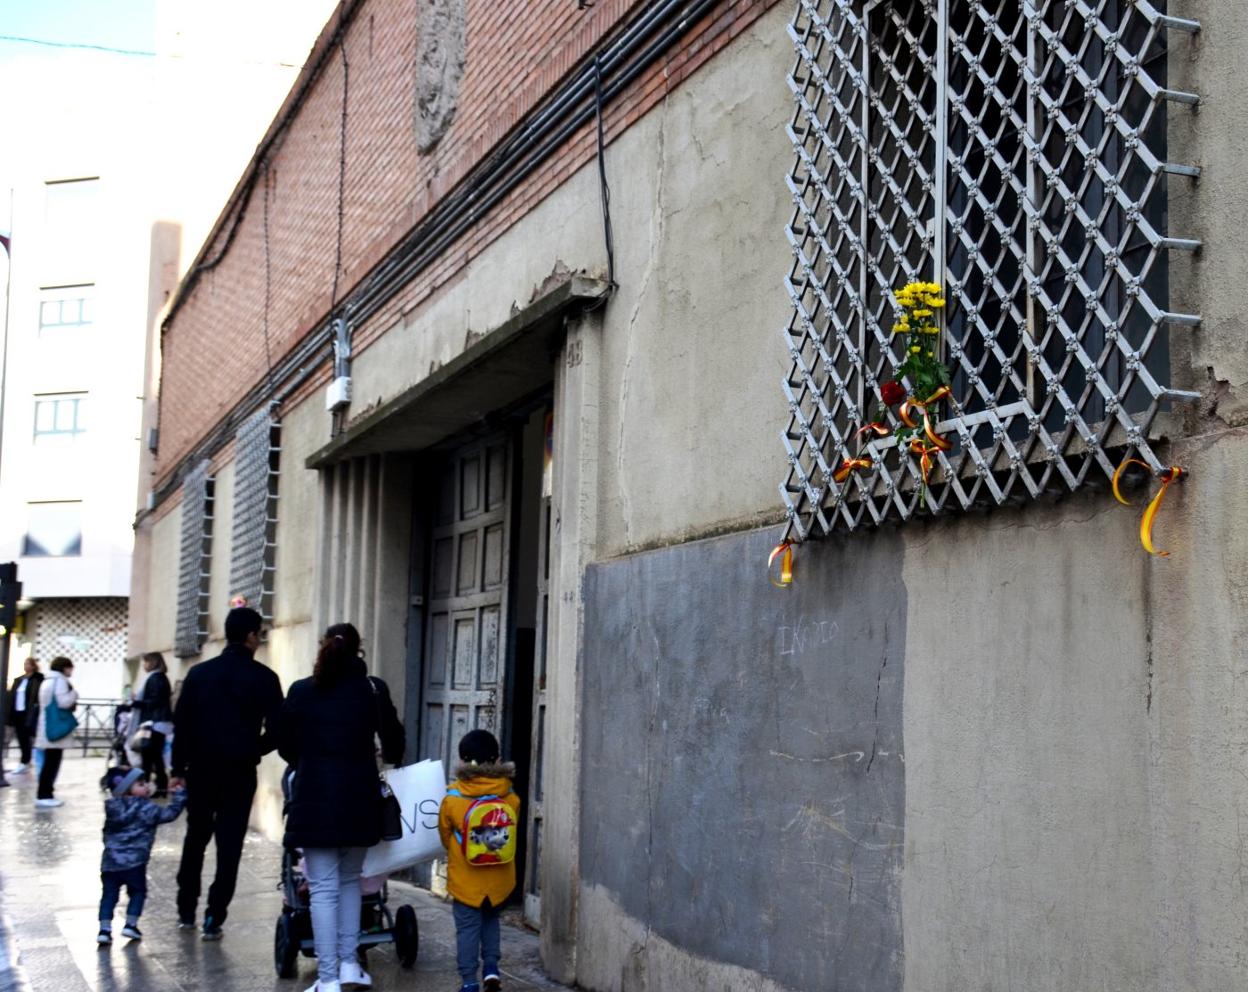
(326, 733)
(156, 709)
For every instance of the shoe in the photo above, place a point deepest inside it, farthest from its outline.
(104, 938)
(320, 986)
(132, 931)
(49, 803)
(186, 923)
(491, 983)
(20, 770)
(350, 973)
(212, 930)
(470, 987)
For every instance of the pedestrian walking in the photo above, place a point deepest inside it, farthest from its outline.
(155, 710)
(23, 714)
(478, 823)
(57, 698)
(224, 722)
(130, 822)
(329, 725)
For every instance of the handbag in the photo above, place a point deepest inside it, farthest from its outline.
(389, 814)
(58, 723)
(139, 739)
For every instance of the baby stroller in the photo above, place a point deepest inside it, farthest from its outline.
(377, 924)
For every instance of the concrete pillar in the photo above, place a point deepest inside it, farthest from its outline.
(574, 530)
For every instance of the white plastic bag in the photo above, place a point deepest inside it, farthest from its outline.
(420, 789)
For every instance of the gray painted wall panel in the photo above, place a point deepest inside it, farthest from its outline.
(744, 778)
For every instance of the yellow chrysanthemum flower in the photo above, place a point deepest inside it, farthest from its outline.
(923, 313)
(915, 348)
(937, 303)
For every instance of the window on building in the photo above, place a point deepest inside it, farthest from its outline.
(73, 231)
(1017, 156)
(66, 307)
(53, 530)
(60, 415)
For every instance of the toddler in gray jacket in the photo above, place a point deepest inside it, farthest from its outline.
(130, 822)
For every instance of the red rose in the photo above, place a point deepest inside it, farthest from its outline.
(892, 392)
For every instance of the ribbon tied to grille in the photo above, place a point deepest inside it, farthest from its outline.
(930, 442)
(783, 551)
(1166, 477)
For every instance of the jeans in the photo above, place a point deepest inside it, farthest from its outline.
(47, 774)
(135, 881)
(334, 892)
(477, 932)
(216, 807)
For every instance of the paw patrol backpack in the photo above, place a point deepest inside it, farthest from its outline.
(488, 834)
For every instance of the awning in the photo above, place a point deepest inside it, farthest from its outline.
(499, 369)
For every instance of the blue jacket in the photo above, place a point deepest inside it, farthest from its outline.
(130, 828)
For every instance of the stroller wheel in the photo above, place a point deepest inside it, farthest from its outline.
(406, 935)
(285, 946)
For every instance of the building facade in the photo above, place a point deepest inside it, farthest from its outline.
(101, 205)
(73, 370)
(522, 347)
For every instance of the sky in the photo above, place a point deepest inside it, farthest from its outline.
(190, 115)
(127, 24)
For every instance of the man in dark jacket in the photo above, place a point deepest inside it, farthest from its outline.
(24, 709)
(225, 720)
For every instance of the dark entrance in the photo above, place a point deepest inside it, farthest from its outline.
(477, 620)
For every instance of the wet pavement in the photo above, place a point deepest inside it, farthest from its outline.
(49, 899)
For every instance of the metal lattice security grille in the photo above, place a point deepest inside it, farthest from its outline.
(87, 631)
(1013, 151)
(257, 449)
(195, 562)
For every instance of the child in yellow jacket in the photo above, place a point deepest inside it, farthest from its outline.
(480, 871)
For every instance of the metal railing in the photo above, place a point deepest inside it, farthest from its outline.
(97, 719)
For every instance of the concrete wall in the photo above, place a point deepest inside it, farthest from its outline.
(744, 780)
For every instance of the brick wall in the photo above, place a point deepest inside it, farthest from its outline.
(214, 350)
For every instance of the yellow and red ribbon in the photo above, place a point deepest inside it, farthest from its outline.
(934, 442)
(849, 465)
(1166, 476)
(783, 551)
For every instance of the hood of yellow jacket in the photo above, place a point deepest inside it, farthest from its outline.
(484, 779)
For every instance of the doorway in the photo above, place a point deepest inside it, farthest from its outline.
(476, 631)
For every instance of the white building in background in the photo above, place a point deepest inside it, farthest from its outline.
(114, 175)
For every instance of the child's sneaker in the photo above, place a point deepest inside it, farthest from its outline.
(470, 987)
(212, 929)
(492, 983)
(104, 937)
(186, 923)
(132, 931)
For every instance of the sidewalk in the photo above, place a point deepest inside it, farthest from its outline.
(49, 896)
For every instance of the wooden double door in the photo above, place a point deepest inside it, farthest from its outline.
(464, 683)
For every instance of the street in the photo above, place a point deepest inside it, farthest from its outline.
(49, 894)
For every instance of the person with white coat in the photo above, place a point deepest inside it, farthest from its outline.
(55, 688)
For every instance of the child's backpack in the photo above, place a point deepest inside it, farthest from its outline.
(488, 834)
